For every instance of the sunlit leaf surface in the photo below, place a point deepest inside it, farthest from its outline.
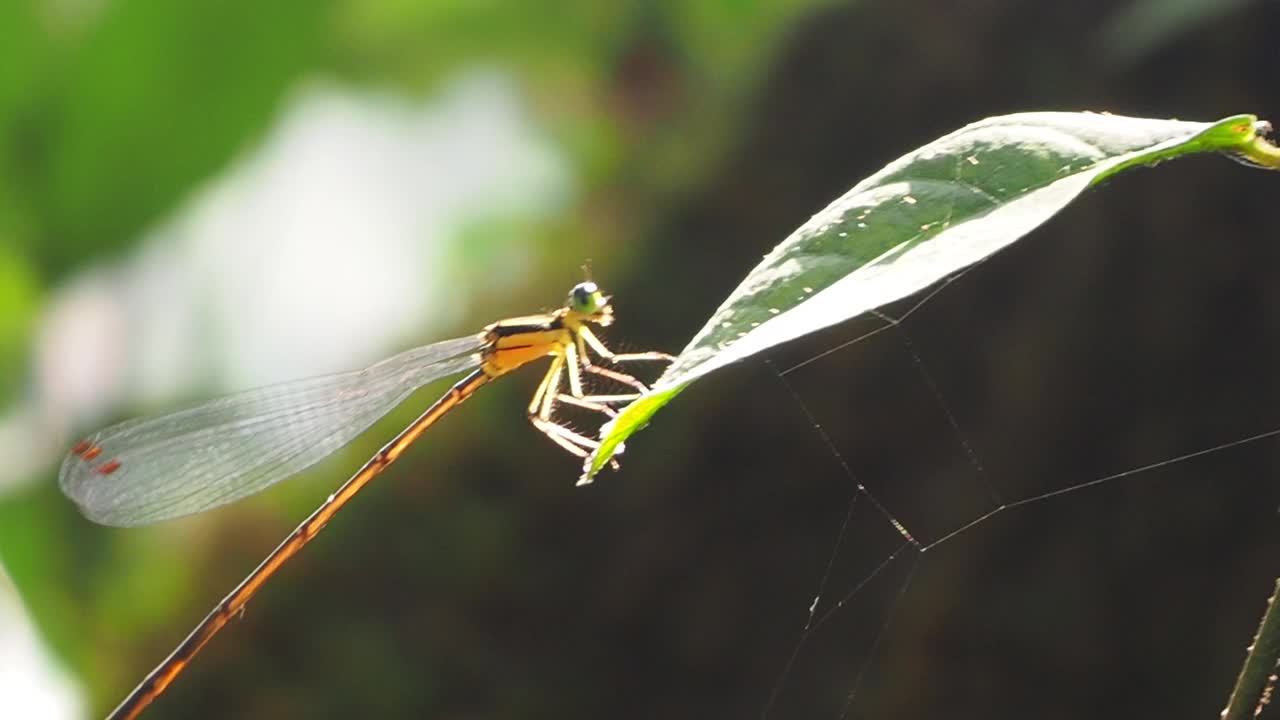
(923, 217)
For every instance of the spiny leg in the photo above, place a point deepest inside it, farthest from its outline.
(614, 375)
(572, 358)
(543, 400)
(549, 394)
(567, 361)
(576, 443)
(576, 396)
(598, 403)
(544, 388)
(586, 339)
(589, 403)
(543, 404)
(589, 338)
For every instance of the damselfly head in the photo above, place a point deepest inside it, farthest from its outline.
(586, 299)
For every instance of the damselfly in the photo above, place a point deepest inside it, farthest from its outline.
(151, 469)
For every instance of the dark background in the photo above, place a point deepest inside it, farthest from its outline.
(1138, 325)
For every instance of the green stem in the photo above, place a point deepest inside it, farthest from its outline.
(1257, 678)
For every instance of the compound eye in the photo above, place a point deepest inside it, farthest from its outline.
(585, 297)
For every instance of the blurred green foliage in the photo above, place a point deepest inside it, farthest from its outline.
(111, 113)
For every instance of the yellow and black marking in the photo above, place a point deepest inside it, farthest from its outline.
(565, 336)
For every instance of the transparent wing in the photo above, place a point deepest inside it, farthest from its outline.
(151, 469)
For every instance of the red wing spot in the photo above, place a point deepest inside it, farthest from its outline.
(81, 447)
(107, 467)
(91, 453)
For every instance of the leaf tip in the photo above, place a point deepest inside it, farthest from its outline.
(613, 434)
(1252, 146)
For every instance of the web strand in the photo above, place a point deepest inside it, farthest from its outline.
(943, 285)
(1088, 484)
(875, 644)
(944, 406)
(909, 542)
(817, 616)
(844, 466)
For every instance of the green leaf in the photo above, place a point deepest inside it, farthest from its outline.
(923, 217)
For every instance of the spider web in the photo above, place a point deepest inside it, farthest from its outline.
(960, 579)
